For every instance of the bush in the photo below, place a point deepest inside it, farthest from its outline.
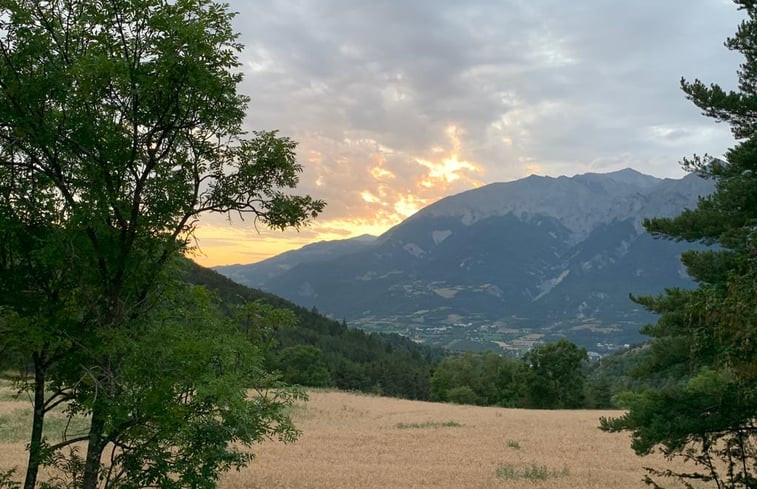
(462, 395)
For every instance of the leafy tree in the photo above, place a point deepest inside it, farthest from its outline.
(504, 385)
(486, 379)
(260, 321)
(454, 374)
(303, 365)
(120, 125)
(707, 337)
(462, 394)
(37, 319)
(622, 371)
(556, 376)
(182, 413)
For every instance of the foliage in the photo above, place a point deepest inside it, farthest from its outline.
(486, 379)
(6, 480)
(533, 472)
(259, 322)
(303, 365)
(120, 125)
(549, 376)
(462, 394)
(184, 382)
(556, 376)
(706, 338)
(428, 424)
(514, 444)
(355, 360)
(620, 371)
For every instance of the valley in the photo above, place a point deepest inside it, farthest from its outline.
(502, 267)
(512, 335)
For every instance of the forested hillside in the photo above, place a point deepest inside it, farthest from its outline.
(318, 351)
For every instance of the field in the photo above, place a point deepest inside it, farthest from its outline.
(358, 441)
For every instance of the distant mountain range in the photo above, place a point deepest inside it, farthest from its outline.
(502, 266)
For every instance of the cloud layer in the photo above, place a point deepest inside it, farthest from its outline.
(397, 104)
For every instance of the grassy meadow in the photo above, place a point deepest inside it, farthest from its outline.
(359, 441)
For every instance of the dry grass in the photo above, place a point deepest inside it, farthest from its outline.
(12, 412)
(15, 427)
(356, 441)
(353, 441)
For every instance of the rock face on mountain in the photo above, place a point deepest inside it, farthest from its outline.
(501, 266)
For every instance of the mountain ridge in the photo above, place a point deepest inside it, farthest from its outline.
(515, 263)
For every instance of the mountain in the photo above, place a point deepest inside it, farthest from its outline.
(505, 265)
(260, 273)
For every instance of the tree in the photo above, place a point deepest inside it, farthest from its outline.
(35, 308)
(120, 125)
(707, 337)
(260, 322)
(486, 379)
(183, 413)
(460, 375)
(555, 378)
(303, 365)
(462, 394)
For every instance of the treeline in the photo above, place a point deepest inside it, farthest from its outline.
(312, 350)
(306, 348)
(551, 376)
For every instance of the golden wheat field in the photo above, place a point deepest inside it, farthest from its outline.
(359, 441)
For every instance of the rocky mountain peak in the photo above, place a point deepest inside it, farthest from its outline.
(502, 266)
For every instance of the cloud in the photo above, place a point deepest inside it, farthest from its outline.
(370, 90)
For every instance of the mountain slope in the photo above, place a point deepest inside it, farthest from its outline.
(273, 267)
(508, 264)
(353, 359)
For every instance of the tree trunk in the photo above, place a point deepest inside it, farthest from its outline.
(38, 420)
(91, 475)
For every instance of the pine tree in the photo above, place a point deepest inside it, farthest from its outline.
(707, 337)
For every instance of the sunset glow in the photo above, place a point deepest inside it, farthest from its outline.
(381, 173)
(393, 109)
(446, 171)
(222, 244)
(450, 168)
(408, 205)
(385, 200)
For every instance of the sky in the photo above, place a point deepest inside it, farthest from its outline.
(398, 103)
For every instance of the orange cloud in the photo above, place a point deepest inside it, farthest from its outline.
(224, 244)
(380, 173)
(408, 205)
(451, 168)
(369, 197)
(387, 188)
(446, 171)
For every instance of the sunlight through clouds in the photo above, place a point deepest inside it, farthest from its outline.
(390, 188)
(397, 105)
(408, 205)
(445, 172)
(381, 173)
(450, 168)
(369, 197)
